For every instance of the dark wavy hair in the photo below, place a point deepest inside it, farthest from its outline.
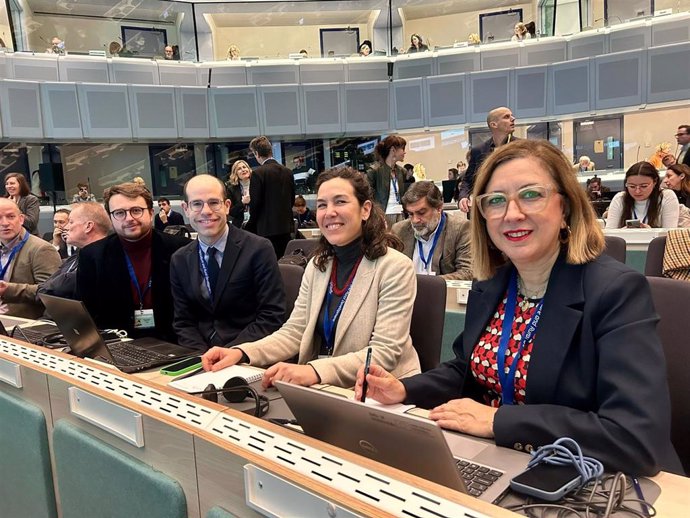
(383, 148)
(375, 237)
(653, 211)
(24, 189)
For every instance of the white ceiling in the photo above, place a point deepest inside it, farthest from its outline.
(256, 13)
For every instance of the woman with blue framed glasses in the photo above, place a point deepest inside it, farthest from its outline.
(559, 340)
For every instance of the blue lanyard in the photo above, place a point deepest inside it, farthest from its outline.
(14, 252)
(135, 281)
(204, 271)
(645, 216)
(427, 261)
(394, 181)
(329, 323)
(508, 379)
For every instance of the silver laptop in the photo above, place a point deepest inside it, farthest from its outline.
(409, 443)
(84, 340)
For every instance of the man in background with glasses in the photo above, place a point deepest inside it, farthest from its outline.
(226, 286)
(124, 279)
(683, 140)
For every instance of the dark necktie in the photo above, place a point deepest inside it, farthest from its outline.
(213, 268)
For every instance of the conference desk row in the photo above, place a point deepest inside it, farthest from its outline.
(110, 427)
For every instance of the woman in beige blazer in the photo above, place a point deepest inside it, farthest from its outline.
(357, 292)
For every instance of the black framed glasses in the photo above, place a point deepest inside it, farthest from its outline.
(121, 214)
(531, 199)
(214, 204)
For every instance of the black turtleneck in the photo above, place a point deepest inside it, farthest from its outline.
(347, 257)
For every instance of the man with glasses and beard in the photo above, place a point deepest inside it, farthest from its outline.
(124, 279)
(226, 285)
(438, 242)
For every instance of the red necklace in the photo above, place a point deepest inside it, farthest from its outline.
(334, 276)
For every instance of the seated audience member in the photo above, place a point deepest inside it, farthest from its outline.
(237, 191)
(520, 32)
(438, 242)
(365, 48)
(233, 53)
(25, 262)
(409, 175)
(88, 222)
(643, 200)
(166, 216)
(357, 292)
(124, 279)
(678, 180)
(578, 328)
(168, 53)
(416, 44)
(583, 165)
(18, 191)
(305, 217)
(595, 189)
(56, 237)
(226, 286)
(662, 155)
(83, 194)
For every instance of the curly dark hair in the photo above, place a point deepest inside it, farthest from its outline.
(376, 239)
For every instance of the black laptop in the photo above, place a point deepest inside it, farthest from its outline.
(84, 340)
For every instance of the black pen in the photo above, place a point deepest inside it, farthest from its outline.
(189, 374)
(367, 364)
(640, 495)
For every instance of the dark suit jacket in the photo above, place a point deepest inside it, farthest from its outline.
(379, 176)
(63, 283)
(597, 372)
(686, 158)
(272, 193)
(174, 218)
(249, 302)
(234, 194)
(477, 157)
(103, 284)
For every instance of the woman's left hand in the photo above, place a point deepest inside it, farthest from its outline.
(644, 225)
(290, 373)
(467, 416)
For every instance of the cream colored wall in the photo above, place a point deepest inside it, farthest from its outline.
(647, 129)
(84, 34)
(447, 29)
(274, 42)
(437, 159)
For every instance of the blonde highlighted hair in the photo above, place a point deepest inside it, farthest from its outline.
(234, 178)
(586, 240)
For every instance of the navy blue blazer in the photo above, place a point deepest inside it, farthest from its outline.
(596, 374)
(249, 302)
(104, 286)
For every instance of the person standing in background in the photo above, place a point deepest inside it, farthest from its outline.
(237, 191)
(18, 191)
(387, 178)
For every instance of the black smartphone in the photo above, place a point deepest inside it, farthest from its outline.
(632, 223)
(183, 366)
(547, 481)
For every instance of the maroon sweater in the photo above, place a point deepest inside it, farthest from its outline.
(139, 252)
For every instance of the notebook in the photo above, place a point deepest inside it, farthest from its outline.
(200, 381)
(409, 443)
(84, 340)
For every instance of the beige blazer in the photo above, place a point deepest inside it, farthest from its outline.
(34, 264)
(377, 313)
(452, 257)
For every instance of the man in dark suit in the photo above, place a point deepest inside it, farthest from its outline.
(88, 222)
(55, 237)
(166, 216)
(226, 287)
(502, 124)
(124, 279)
(683, 140)
(272, 193)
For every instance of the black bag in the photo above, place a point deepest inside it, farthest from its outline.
(177, 230)
(297, 257)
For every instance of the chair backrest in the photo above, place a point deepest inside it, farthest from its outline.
(428, 314)
(615, 247)
(292, 279)
(307, 246)
(654, 264)
(672, 302)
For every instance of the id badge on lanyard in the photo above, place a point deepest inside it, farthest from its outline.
(143, 319)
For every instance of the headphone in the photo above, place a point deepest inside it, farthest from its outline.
(236, 390)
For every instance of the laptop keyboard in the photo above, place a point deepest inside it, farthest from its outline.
(477, 478)
(35, 336)
(126, 355)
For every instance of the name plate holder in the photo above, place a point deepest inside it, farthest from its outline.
(274, 496)
(10, 373)
(106, 415)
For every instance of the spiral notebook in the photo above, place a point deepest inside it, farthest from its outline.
(202, 380)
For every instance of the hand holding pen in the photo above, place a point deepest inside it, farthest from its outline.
(381, 386)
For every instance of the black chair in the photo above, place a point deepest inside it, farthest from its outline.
(615, 247)
(307, 246)
(292, 279)
(654, 264)
(672, 302)
(428, 314)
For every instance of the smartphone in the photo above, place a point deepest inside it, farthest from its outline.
(546, 481)
(186, 365)
(632, 223)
